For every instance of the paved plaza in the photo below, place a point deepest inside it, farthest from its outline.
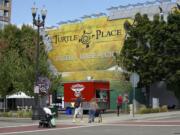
(155, 123)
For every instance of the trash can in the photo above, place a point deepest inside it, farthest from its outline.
(54, 110)
(68, 111)
(155, 102)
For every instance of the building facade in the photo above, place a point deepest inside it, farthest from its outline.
(5, 12)
(150, 8)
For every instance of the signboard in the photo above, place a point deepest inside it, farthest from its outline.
(43, 85)
(86, 48)
(134, 79)
(36, 89)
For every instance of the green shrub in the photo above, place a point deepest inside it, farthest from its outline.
(164, 108)
(5, 114)
(19, 114)
(27, 114)
(24, 114)
(144, 110)
(10, 114)
(154, 110)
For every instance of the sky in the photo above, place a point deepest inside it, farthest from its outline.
(62, 10)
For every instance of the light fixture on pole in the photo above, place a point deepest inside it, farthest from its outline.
(161, 13)
(39, 23)
(134, 79)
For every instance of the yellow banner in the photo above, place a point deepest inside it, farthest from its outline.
(86, 46)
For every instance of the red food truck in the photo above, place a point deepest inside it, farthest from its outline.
(88, 89)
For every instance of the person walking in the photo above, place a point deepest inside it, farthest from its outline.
(93, 106)
(78, 108)
(119, 102)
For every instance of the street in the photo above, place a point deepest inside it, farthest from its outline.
(164, 125)
(101, 129)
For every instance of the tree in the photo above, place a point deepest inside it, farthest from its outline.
(173, 49)
(152, 50)
(17, 59)
(55, 82)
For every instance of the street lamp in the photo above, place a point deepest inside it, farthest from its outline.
(161, 13)
(134, 79)
(39, 23)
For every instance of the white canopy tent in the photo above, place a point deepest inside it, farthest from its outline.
(19, 96)
(117, 68)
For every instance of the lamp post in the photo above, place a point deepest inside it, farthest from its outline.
(39, 23)
(134, 79)
(161, 13)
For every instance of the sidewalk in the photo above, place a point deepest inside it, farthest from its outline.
(150, 116)
(106, 118)
(112, 117)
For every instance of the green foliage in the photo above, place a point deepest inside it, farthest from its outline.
(24, 114)
(5, 114)
(17, 59)
(144, 110)
(152, 50)
(164, 108)
(55, 82)
(123, 86)
(20, 114)
(155, 110)
(17, 114)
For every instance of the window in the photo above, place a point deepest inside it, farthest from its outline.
(101, 94)
(1, 13)
(1, 2)
(1, 25)
(6, 13)
(97, 94)
(6, 4)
